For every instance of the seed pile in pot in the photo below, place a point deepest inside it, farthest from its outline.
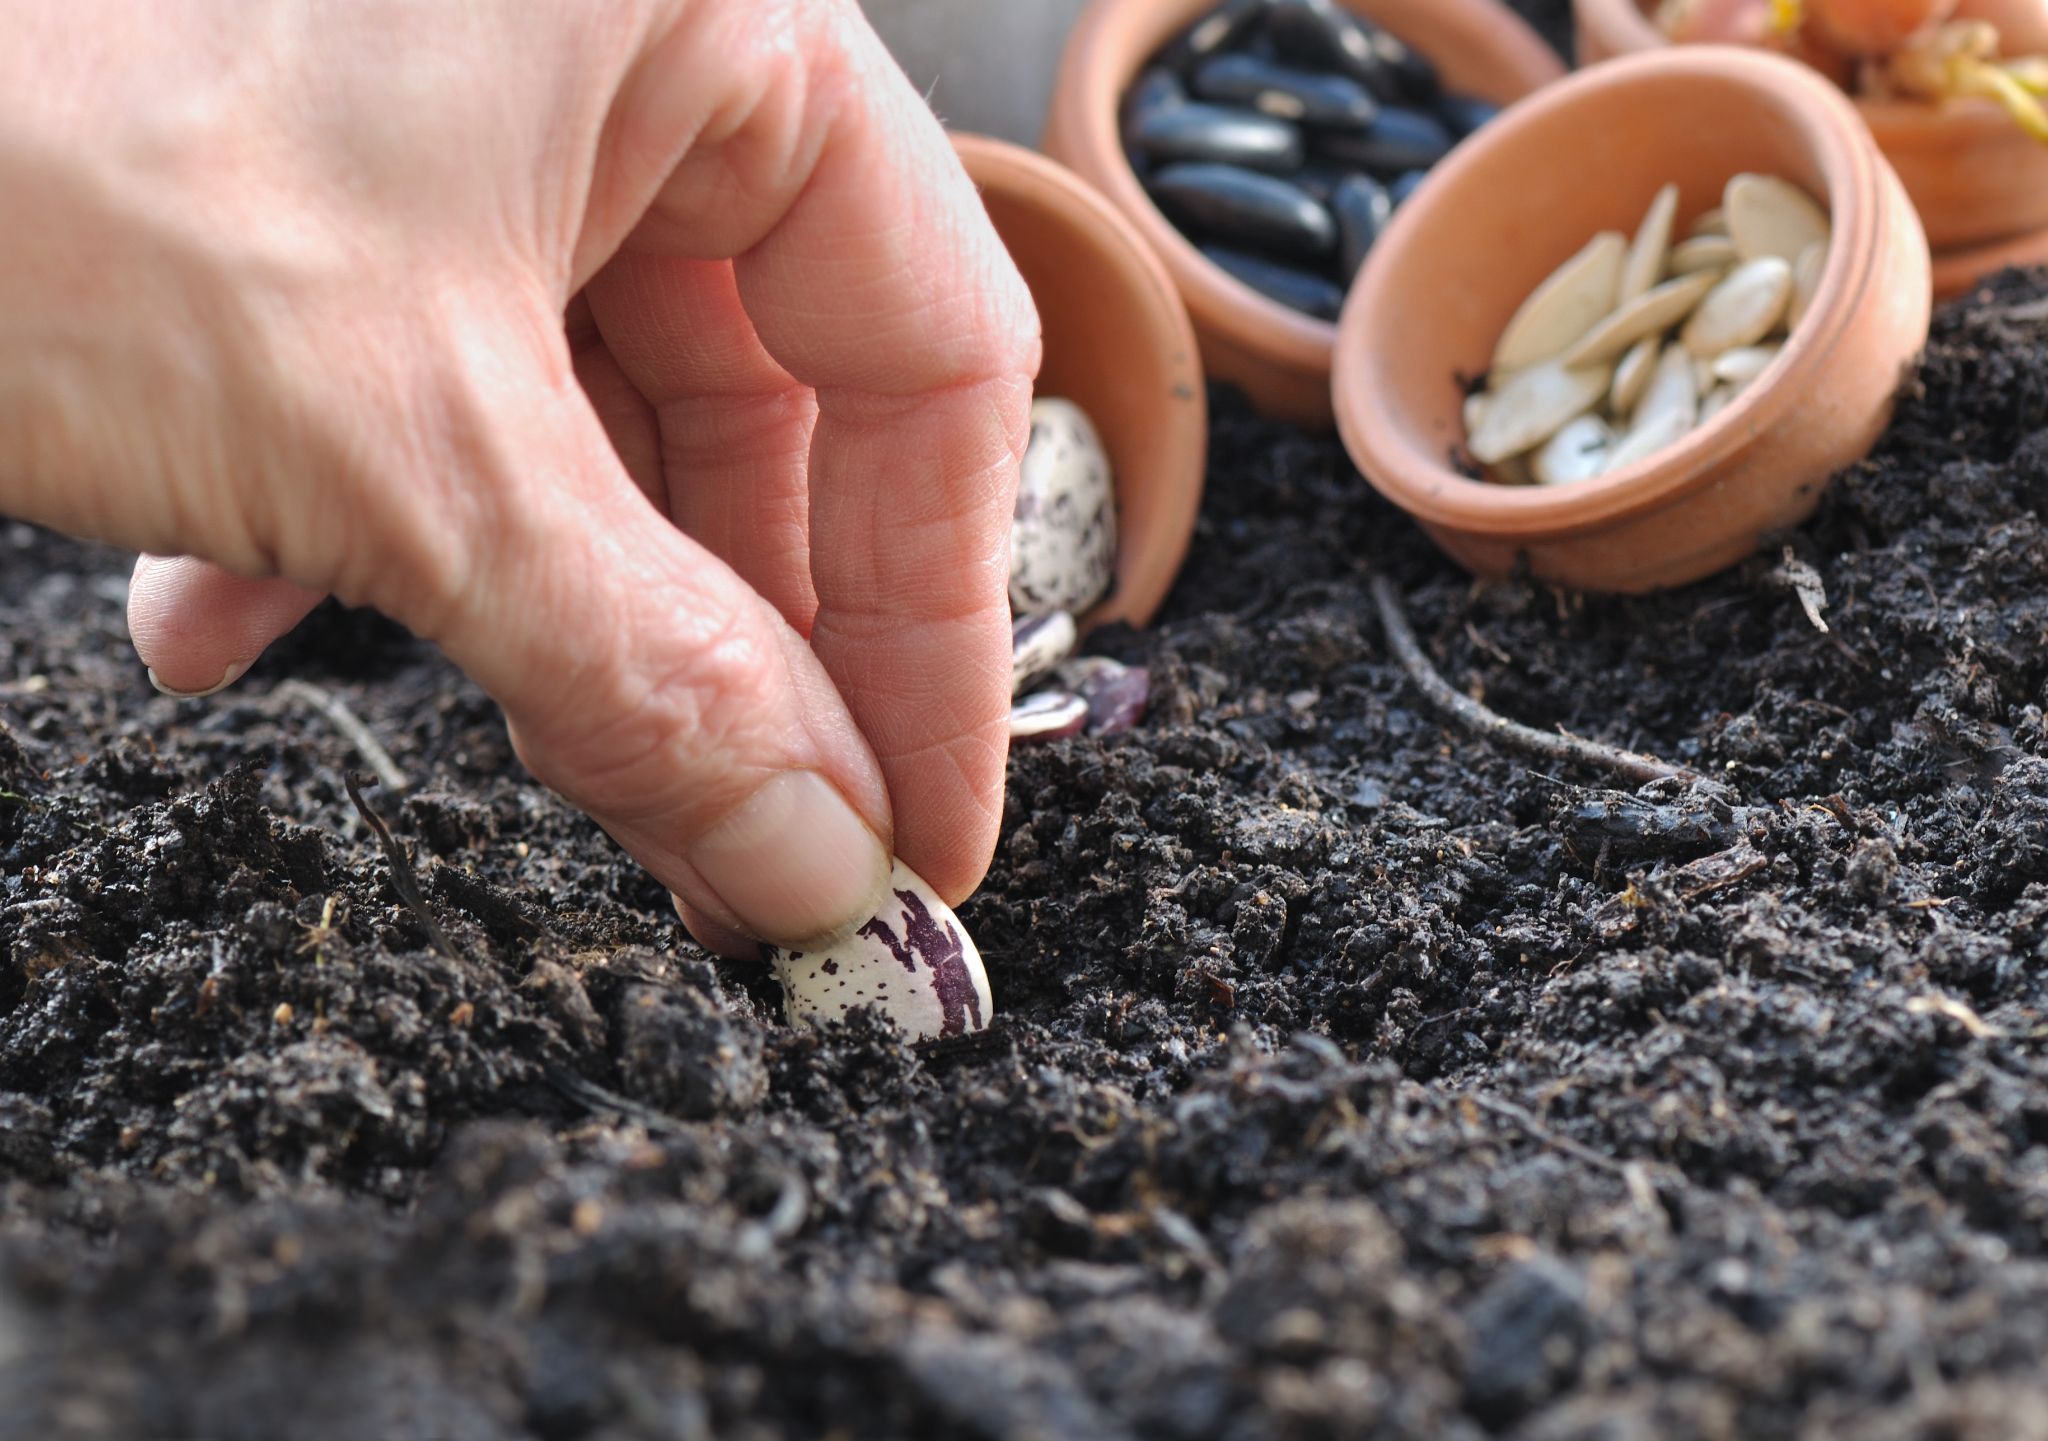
(1280, 135)
(1632, 343)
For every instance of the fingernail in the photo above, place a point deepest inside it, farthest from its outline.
(795, 863)
(228, 677)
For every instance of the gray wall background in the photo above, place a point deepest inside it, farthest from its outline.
(987, 64)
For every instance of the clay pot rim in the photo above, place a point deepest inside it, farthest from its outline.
(1953, 121)
(1425, 485)
(1156, 560)
(1093, 78)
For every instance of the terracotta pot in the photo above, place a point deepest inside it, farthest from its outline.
(1957, 272)
(1974, 175)
(1513, 203)
(1119, 345)
(1280, 357)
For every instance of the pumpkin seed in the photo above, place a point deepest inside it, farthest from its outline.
(1702, 252)
(1806, 273)
(1742, 309)
(1647, 253)
(1534, 405)
(1651, 313)
(1769, 216)
(1577, 452)
(1565, 306)
(1632, 376)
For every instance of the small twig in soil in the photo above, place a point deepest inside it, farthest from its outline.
(352, 730)
(1537, 1131)
(402, 878)
(1562, 748)
(595, 1098)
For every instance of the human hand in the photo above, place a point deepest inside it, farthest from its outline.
(282, 294)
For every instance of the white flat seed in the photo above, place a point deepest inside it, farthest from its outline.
(1703, 379)
(1741, 366)
(1565, 306)
(1533, 405)
(1037, 644)
(1702, 252)
(1806, 272)
(1671, 392)
(1711, 222)
(914, 962)
(1718, 399)
(1063, 538)
(1645, 439)
(1577, 452)
(1644, 266)
(1651, 313)
(1769, 216)
(1742, 309)
(1632, 376)
(1475, 410)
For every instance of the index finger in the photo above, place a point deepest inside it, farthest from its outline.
(872, 275)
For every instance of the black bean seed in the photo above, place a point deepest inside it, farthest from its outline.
(1195, 131)
(1155, 90)
(1362, 209)
(1223, 28)
(1322, 35)
(1399, 140)
(1326, 101)
(1416, 77)
(1463, 114)
(1321, 181)
(1405, 186)
(1297, 289)
(1244, 209)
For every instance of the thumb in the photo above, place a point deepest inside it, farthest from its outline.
(651, 687)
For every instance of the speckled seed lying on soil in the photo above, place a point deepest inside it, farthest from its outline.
(1588, 377)
(914, 962)
(1063, 537)
(1037, 644)
(1306, 126)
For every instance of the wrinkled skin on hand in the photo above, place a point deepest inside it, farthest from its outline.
(653, 358)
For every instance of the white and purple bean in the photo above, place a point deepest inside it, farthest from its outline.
(1048, 715)
(1037, 644)
(914, 962)
(1309, 96)
(1063, 536)
(1115, 694)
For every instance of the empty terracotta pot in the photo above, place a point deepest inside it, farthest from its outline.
(1280, 357)
(1118, 344)
(1519, 198)
(1975, 177)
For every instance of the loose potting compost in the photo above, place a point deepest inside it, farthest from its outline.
(1420, 1007)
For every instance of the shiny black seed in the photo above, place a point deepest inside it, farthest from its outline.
(1156, 90)
(1195, 131)
(1462, 114)
(1322, 35)
(1243, 209)
(1325, 101)
(1362, 208)
(1224, 28)
(1297, 289)
(1399, 140)
(1415, 77)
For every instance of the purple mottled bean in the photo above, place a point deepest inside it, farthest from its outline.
(1116, 694)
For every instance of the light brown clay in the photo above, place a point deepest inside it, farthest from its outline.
(1118, 344)
(1281, 358)
(1501, 213)
(1975, 177)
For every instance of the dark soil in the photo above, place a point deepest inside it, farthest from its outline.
(1351, 1079)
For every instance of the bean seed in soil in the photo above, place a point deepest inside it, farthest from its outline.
(1063, 535)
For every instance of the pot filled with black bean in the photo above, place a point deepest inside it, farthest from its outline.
(1264, 145)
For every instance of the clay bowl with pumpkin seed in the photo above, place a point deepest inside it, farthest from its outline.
(1429, 71)
(1119, 345)
(1588, 157)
